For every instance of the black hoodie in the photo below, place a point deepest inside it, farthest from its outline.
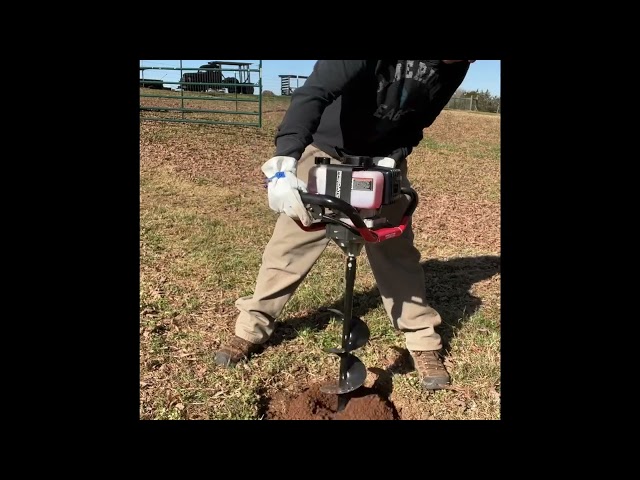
(367, 107)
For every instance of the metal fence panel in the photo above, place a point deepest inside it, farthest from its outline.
(218, 92)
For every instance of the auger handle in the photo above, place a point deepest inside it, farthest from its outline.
(360, 228)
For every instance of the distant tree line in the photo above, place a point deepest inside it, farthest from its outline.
(482, 101)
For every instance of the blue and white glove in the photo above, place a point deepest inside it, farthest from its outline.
(283, 187)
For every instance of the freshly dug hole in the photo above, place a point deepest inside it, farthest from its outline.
(313, 404)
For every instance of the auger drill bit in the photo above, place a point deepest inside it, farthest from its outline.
(351, 238)
(355, 334)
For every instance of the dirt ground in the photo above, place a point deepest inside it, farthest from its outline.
(313, 404)
(200, 249)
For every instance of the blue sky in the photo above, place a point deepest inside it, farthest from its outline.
(483, 74)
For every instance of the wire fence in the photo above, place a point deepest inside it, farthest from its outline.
(460, 103)
(474, 103)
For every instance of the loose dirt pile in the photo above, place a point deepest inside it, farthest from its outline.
(313, 404)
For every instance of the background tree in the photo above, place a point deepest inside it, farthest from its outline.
(484, 101)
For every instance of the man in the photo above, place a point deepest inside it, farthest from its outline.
(375, 108)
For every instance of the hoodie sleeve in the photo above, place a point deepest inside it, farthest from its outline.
(324, 85)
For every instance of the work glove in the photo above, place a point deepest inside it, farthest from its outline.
(384, 162)
(283, 186)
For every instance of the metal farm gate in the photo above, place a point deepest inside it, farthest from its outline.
(202, 94)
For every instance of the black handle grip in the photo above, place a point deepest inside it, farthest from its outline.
(413, 203)
(352, 213)
(334, 204)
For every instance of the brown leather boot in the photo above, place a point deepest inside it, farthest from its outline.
(429, 366)
(236, 350)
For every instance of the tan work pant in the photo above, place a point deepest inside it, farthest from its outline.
(292, 252)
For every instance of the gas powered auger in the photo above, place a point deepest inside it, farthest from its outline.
(347, 199)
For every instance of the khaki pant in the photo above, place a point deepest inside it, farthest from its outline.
(292, 252)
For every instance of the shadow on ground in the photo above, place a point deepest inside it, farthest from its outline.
(448, 285)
